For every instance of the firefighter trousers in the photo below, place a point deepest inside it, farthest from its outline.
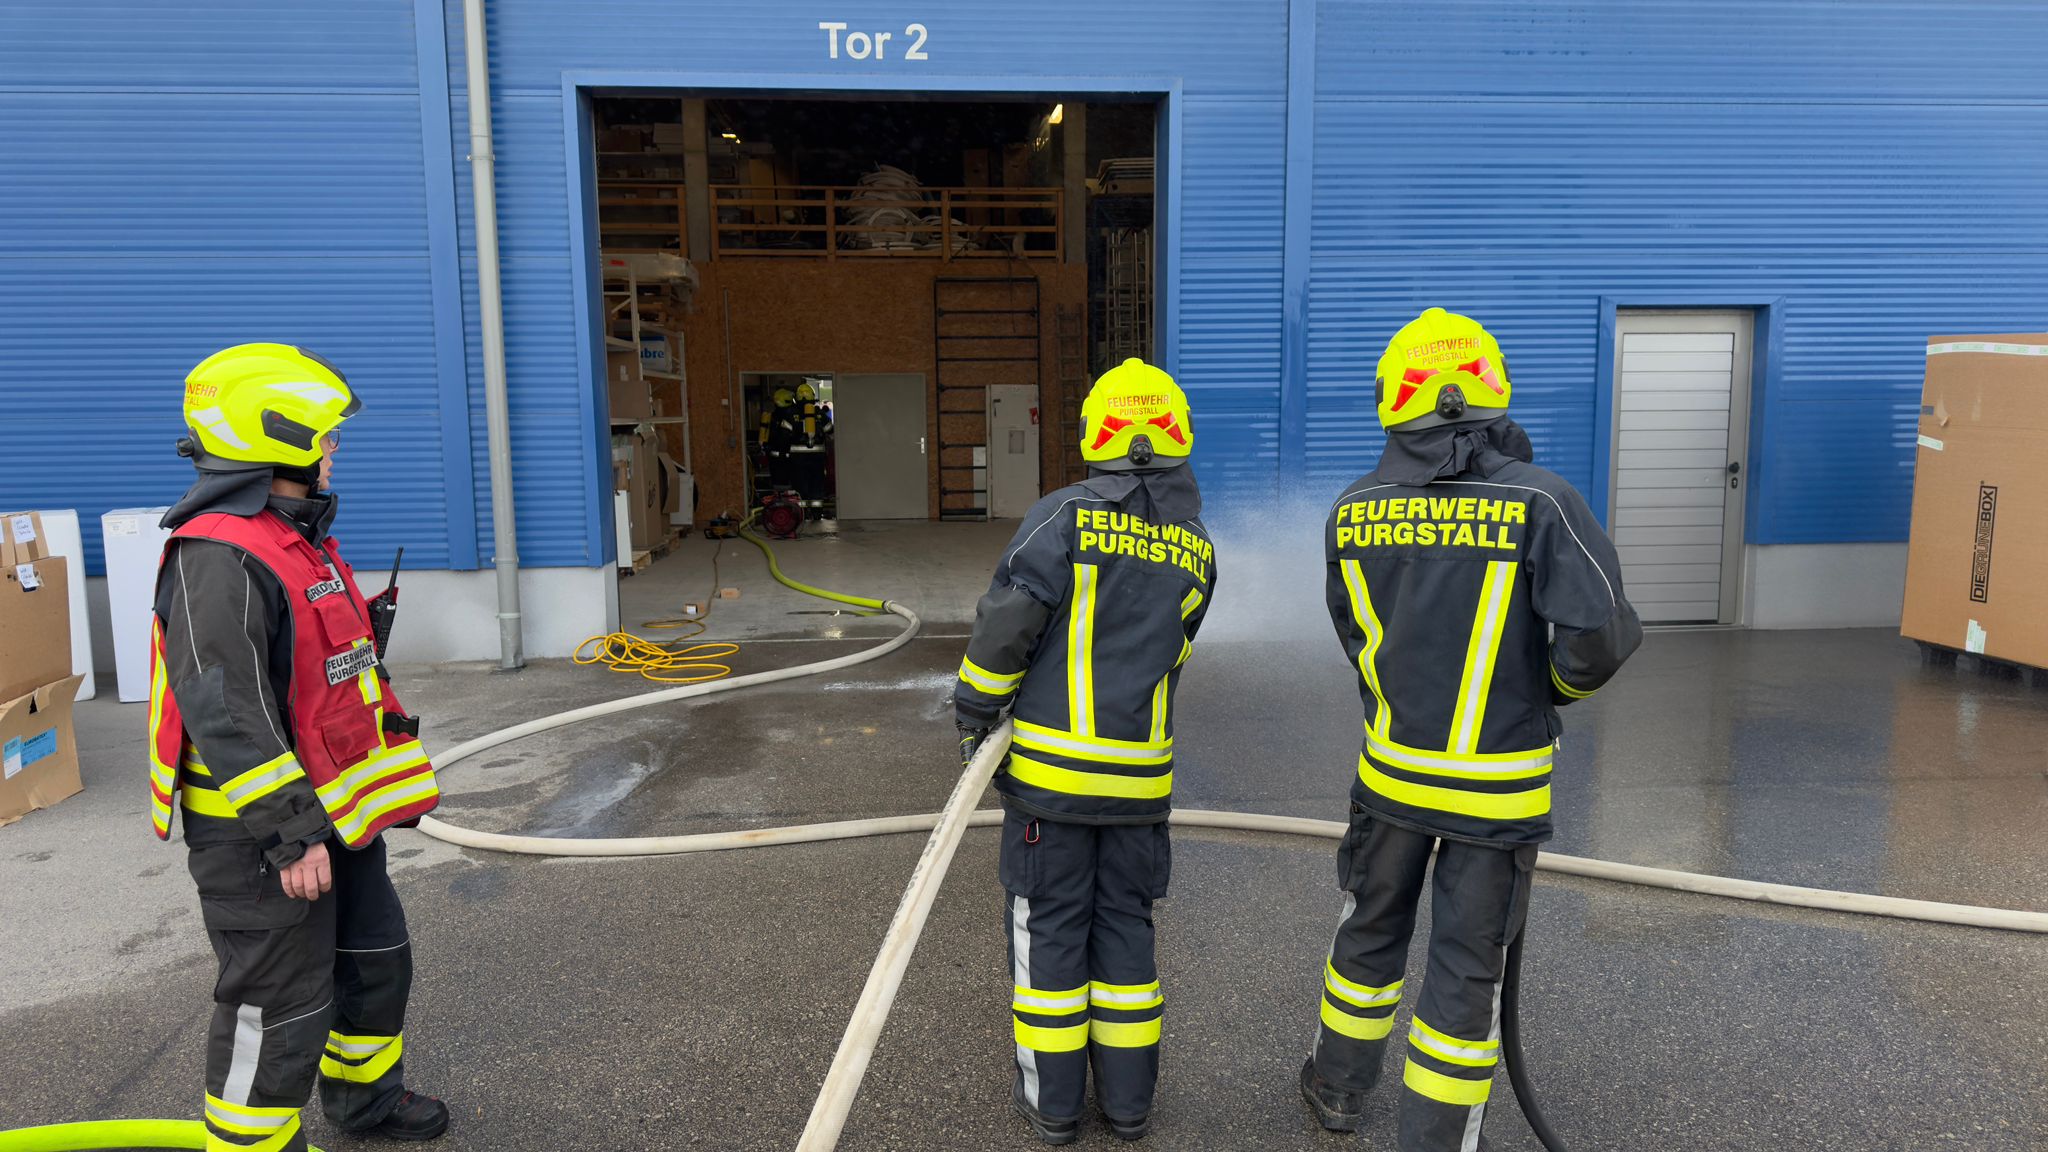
(1085, 988)
(1479, 898)
(306, 991)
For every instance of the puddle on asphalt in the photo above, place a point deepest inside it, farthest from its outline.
(580, 804)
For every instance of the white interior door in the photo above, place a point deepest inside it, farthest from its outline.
(1681, 435)
(878, 446)
(1012, 450)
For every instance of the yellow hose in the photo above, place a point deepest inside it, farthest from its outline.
(94, 1134)
(775, 570)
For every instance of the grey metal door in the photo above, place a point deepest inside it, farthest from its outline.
(1012, 450)
(1681, 435)
(878, 444)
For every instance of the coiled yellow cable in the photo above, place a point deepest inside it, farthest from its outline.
(625, 652)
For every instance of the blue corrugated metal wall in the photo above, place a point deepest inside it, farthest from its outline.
(1875, 168)
(182, 176)
(177, 178)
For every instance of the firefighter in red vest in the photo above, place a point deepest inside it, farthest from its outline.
(274, 728)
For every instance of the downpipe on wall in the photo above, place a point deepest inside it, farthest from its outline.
(491, 312)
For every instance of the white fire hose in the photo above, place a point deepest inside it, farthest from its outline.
(857, 1045)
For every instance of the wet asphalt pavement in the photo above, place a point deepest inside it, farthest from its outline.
(695, 1002)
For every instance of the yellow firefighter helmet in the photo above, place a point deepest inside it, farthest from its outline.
(263, 405)
(1136, 418)
(1441, 368)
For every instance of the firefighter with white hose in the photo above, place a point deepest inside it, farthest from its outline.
(1474, 594)
(1081, 637)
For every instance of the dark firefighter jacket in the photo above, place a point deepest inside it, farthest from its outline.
(1473, 593)
(1092, 612)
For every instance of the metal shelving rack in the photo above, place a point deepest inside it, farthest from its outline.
(621, 290)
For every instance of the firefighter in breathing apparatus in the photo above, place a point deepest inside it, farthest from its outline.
(1082, 635)
(274, 729)
(1474, 594)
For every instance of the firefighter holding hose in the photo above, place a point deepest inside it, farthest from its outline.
(1081, 637)
(1474, 594)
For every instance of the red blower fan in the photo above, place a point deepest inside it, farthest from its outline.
(782, 514)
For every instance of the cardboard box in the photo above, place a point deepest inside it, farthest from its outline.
(35, 625)
(38, 753)
(630, 398)
(1977, 564)
(650, 527)
(22, 538)
(656, 354)
(635, 449)
(678, 493)
(67, 539)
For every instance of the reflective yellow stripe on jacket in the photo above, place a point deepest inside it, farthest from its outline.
(162, 776)
(992, 683)
(1075, 782)
(1481, 650)
(1084, 746)
(1368, 623)
(1081, 652)
(1459, 759)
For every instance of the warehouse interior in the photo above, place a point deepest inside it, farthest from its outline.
(877, 308)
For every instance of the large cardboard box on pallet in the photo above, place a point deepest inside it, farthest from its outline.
(35, 608)
(636, 451)
(38, 753)
(1977, 565)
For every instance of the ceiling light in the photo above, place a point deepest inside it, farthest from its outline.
(1059, 112)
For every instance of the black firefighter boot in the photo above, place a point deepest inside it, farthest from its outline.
(1335, 1109)
(1047, 1131)
(1129, 1129)
(414, 1117)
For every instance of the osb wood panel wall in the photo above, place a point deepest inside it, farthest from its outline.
(848, 316)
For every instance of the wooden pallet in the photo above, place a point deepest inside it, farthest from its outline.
(1940, 655)
(642, 559)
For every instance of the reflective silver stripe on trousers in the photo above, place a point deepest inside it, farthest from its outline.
(1478, 1114)
(1315, 1046)
(354, 1051)
(1020, 947)
(248, 1048)
(1436, 1047)
(223, 1118)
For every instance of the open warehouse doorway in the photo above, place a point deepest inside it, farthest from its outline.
(837, 308)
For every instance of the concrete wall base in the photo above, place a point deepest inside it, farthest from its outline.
(1825, 585)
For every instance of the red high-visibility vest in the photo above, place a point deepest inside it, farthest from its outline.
(351, 738)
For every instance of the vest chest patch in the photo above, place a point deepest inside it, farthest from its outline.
(344, 666)
(324, 589)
